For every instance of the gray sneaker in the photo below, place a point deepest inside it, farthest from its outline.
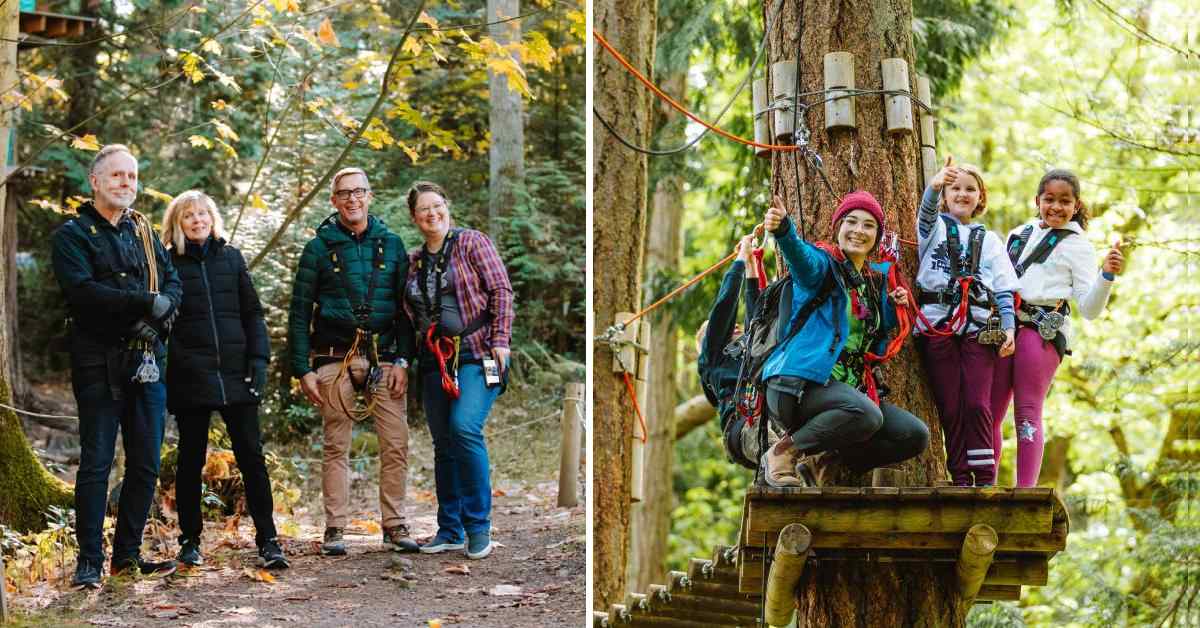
(334, 545)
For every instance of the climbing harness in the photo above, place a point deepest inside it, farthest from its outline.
(444, 349)
(365, 343)
(1017, 242)
(147, 372)
(963, 290)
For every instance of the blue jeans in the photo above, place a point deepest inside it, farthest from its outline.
(140, 417)
(460, 458)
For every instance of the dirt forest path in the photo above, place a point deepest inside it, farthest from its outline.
(535, 579)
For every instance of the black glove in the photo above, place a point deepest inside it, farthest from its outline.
(257, 378)
(142, 331)
(160, 307)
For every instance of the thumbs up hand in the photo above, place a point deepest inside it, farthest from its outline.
(945, 176)
(1114, 262)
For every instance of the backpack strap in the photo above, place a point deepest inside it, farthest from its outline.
(976, 244)
(361, 310)
(1016, 244)
(953, 247)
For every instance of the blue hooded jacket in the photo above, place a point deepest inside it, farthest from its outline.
(811, 353)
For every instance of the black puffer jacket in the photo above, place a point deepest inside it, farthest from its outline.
(220, 330)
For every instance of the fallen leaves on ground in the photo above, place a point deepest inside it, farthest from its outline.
(462, 570)
(259, 575)
(365, 525)
(504, 589)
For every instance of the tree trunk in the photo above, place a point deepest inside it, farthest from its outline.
(9, 33)
(651, 518)
(866, 158)
(26, 488)
(506, 120)
(619, 215)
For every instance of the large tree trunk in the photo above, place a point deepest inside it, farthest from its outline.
(866, 158)
(651, 519)
(9, 33)
(26, 488)
(506, 120)
(619, 214)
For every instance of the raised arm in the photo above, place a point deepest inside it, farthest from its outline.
(1089, 287)
(807, 264)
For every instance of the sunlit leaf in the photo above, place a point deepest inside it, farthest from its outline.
(325, 33)
(86, 142)
(162, 196)
(211, 46)
(225, 131)
(199, 141)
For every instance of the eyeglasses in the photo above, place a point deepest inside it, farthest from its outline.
(430, 208)
(344, 195)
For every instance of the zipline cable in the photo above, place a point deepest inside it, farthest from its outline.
(762, 49)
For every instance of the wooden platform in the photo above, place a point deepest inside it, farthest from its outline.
(887, 524)
(883, 525)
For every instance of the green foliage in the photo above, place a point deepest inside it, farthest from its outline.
(252, 102)
(709, 491)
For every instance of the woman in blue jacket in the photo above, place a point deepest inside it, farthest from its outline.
(816, 378)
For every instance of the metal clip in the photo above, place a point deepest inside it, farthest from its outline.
(147, 371)
(1048, 323)
(991, 333)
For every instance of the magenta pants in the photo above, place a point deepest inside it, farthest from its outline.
(960, 373)
(1024, 376)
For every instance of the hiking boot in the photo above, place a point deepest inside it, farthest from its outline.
(398, 539)
(479, 545)
(189, 553)
(334, 545)
(779, 470)
(87, 575)
(442, 542)
(144, 567)
(270, 555)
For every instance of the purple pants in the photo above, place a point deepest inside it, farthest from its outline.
(960, 372)
(1025, 376)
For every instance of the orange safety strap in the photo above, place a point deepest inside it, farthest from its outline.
(636, 407)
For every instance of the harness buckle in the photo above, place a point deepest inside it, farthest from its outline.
(991, 334)
(1048, 322)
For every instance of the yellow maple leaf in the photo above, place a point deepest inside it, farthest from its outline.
(366, 524)
(280, 5)
(86, 142)
(162, 196)
(191, 66)
(211, 46)
(412, 154)
(513, 75)
(219, 104)
(257, 202)
(224, 130)
(377, 136)
(578, 24)
(537, 50)
(325, 33)
(229, 150)
(427, 20)
(199, 141)
(412, 46)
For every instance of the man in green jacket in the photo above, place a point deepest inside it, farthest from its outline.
(350, 340)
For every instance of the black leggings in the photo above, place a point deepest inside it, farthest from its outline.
(242, 424)
(835, 416)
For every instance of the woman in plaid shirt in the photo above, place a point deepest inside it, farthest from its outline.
(461, 302)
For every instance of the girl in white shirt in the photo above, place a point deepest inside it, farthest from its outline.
(1056, 263)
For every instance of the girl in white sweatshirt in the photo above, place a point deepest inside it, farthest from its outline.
(1056, 263)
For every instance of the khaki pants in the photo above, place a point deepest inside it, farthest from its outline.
(391, 424)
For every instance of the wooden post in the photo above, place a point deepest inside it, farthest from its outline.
(762, 126)
(783, 88)
(3, 593)
(568, 468)
(977, 551)
(884, 476)
(790, 552)
(899, 107)
(929, 161)
(637, 481)
(10, 32)
(839, 73)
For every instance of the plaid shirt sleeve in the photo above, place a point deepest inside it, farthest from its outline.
(494, 285)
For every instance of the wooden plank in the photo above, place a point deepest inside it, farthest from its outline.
(999, 592)
(651, 621)
(686, 601)
(33, 24)
(1009, 543)
(599, 620)
(713, 615)
(56, 27)
(76, 29)
(870, 516)
(1023, 571)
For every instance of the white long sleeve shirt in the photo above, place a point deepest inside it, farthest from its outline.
(1069, 273)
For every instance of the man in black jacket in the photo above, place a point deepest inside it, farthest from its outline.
(121, 302)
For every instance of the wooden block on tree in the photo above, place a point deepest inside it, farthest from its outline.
(1032, 571)
(791, 551)
(978, 549)
(999, 592)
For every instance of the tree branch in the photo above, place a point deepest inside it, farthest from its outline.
(691, 414)
(320, 184)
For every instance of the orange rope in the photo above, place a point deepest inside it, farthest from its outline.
(638, 408)
(680, 108)
(691, 282)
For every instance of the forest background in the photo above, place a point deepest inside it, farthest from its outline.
(257, 103)
(1020, 86)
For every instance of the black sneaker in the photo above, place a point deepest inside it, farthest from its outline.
(189, 553)
(270, 555)
(398, 539)
(334, 545)
(87, 575)
(144, 567)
